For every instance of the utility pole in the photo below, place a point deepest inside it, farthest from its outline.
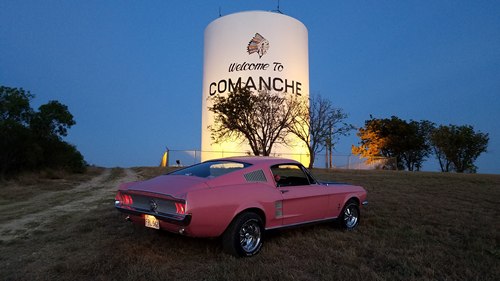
(329, 146)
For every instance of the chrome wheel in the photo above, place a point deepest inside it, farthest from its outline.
(350, 216)
(250, 235)
(243, 237)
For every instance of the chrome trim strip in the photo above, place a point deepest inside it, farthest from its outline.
(301, 223)
(175, 219)
(152, 194)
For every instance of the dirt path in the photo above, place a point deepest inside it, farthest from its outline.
(82, 198)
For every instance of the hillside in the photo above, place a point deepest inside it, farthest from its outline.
(417, 226)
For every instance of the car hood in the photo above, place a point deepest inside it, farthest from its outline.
(174, 185)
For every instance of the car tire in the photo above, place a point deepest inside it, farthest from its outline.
(349, 218)
(243, 237)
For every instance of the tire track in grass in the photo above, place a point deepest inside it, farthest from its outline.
(82, 198)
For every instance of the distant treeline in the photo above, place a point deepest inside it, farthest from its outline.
(32, 140)
(455, 147)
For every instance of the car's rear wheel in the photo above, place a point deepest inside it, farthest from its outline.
(350, 215)
(243, 237)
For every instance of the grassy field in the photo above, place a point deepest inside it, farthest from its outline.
(417, 226)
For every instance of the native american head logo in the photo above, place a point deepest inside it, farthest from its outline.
(258, 45)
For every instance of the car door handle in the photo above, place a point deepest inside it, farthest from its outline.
(284, 191)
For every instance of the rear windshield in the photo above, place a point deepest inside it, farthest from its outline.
(211, 169)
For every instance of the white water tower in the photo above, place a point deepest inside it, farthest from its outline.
(264, 50)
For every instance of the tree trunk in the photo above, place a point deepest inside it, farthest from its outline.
(311, 159)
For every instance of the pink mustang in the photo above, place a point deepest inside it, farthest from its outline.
(238, 198)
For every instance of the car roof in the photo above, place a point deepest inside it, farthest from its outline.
(258, 160)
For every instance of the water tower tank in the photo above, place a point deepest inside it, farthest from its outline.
(265, 50)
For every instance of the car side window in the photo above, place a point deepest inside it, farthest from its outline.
(289, 175)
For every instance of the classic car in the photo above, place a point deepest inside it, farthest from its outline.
(238, 198)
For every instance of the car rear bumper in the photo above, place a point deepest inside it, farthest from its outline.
(181, 220)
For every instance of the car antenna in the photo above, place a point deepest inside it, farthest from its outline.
(220, 14)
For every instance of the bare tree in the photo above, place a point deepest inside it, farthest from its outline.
(337, 127)
(262, 119)
(319, 124)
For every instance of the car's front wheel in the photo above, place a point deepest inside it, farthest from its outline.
(350, 215)
(243, 237)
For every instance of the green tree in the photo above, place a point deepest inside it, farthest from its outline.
(394, 137)
(262, 119)
(18, 150)
(15, 105)
(441, 137)
(52, 120)
(458, 147)
(32, 140)
(49, 125)
(61, 155)
(415, 146)
(372, 141)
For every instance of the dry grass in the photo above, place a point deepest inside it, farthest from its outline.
(150, 172)
(418, 226)
(31, 184)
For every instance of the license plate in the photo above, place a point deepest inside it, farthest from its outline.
(151, 222)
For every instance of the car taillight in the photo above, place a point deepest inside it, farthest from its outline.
(127, 199)
(180, 208)
(123, 199)
(118, 198)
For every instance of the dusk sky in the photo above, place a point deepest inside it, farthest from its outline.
(131, 71)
